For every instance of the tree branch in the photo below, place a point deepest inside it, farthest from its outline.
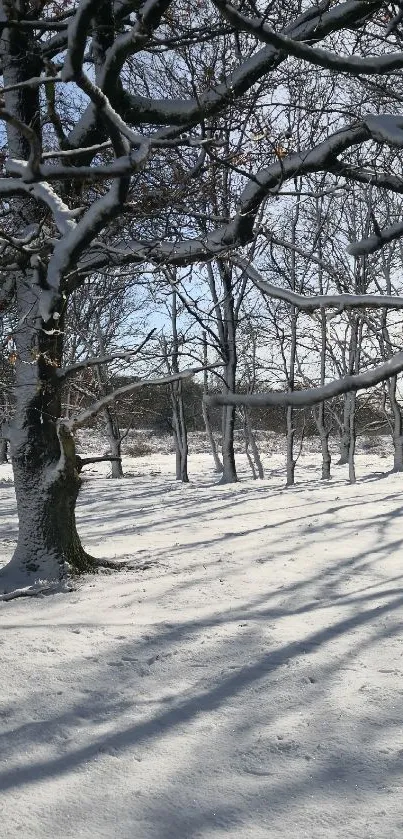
(105, 359)
(120, 392)
(312, 396)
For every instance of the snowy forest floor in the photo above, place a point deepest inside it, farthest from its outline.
(245, 680)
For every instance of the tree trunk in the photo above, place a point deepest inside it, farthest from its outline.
(397, 426)
(210, 436)
(43, 459)
(290, 463)
(344, 442)
(180, 433)
(326, 456)
(229, 473)
(352, 441)
(319, 417)
(253, 445)
(48, 545)
(209, 432)
(43, 456)
(113, 433)
(3, 450)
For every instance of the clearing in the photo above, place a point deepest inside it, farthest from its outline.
(244, 680)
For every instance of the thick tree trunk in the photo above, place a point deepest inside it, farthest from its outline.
(48, 545)
(46, 486)
(43, 457)
(46, 480)
(229, 326)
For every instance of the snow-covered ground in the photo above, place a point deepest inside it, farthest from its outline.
(245, 680)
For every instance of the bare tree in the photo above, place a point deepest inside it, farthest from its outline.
(77, 199)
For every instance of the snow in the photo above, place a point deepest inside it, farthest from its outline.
(243, 681)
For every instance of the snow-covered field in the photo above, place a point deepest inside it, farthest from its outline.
(245, 680)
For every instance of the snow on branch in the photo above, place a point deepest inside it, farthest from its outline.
(77, 34)
(377, 241)
(126, 390)
(319, 301)
(102, 359)
(62, 215)
(315, 23)
(370, 66)
(239, 230)
(73, 243)
(312, 396)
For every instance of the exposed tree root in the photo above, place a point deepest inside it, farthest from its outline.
(123, 565)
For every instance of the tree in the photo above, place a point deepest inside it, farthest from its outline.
(77, 199)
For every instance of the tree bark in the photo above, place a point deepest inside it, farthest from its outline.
(252, 442)
(229, 473)
(3, 450)
(218, 467)
(180, 433)
(352, 442)
(43, 456)
(209, 432)
(113, 432)
(344, 442)
(42, 451)
(397, 425)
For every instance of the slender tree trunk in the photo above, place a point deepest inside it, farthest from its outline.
(210, 436)
(209, 432)
(253, 445)
(352, 442)
(229, 473)
(397, 426)
(290, 463)
(326, 456)
(179, 424)
(180, 433)
(3, 450)
(344, 440)
(320, 415)
(248, 455)
(115, 446)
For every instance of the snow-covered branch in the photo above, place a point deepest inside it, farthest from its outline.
(371, 65)
(312, 396)
(377, 241)
(308, 303)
